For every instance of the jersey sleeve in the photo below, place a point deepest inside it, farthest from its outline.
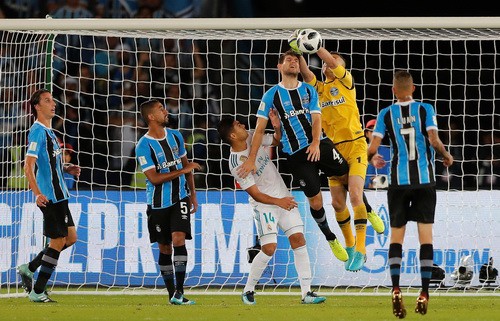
(143, 155)
(379, 129)
(36, 142)
(313, 101)
(344, 76)
(265, 104)
(430, 119)
(267, 140)
(182, 146)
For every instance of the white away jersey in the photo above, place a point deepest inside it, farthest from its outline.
(267, 178)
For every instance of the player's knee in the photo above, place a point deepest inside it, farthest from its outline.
(269, 249)
(316, 202)
(297, 240)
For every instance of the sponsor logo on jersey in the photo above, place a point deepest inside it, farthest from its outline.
(334, 102)
(168, 164)
(158, 228)
(66, 219)
(184, 217)
(294, 113)
(302, 183)
(175, 150)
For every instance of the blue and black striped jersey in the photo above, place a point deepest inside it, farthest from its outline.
(412, 154)
(164, 155)
(294, 107)
(43, 144)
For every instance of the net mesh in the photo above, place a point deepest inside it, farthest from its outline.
(99, 78)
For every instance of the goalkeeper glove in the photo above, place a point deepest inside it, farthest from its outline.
(292, 41)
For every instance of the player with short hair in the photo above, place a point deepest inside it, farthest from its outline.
(44, 169)
(413, 132)
(171, 195)
(307, 150)
(273, 207)
(341, 123)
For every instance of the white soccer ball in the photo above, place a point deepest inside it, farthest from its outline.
(309, 41)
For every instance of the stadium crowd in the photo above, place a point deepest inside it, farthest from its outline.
(98, 95)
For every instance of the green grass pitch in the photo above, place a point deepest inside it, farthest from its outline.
(230, 307)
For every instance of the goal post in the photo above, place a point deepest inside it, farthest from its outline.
(100, 70)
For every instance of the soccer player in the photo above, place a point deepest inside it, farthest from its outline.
(171, 195)
(413, 132)
(273, 207)
(341, 123)
(44, 156)
(307, 150)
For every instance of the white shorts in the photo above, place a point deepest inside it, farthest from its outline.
(268, 218)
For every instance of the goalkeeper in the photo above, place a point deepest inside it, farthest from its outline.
(341, 123)
(273, 206)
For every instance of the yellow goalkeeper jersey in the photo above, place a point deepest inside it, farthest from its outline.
(339, 110)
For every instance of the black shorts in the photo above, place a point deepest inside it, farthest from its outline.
(164, 221)
(307, 173)
(411, 204)
(56, 219)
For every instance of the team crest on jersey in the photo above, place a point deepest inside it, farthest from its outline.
(243, 158)
(334, 91)
(33, 146)
(262, 106)
(158, 228)
(305, 99)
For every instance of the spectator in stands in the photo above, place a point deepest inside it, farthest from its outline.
(197, 148)
(72, 9)
(179, 110)
(373, 173)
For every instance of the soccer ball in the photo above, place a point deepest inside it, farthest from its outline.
(309, 41)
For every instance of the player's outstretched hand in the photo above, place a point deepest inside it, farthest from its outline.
(275, 119)
(378, 161)
(292, 41)
(73, 169)
(287, 203)
(191, 166)
(246, 168)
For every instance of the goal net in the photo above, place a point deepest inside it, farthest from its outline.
(99, 72)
